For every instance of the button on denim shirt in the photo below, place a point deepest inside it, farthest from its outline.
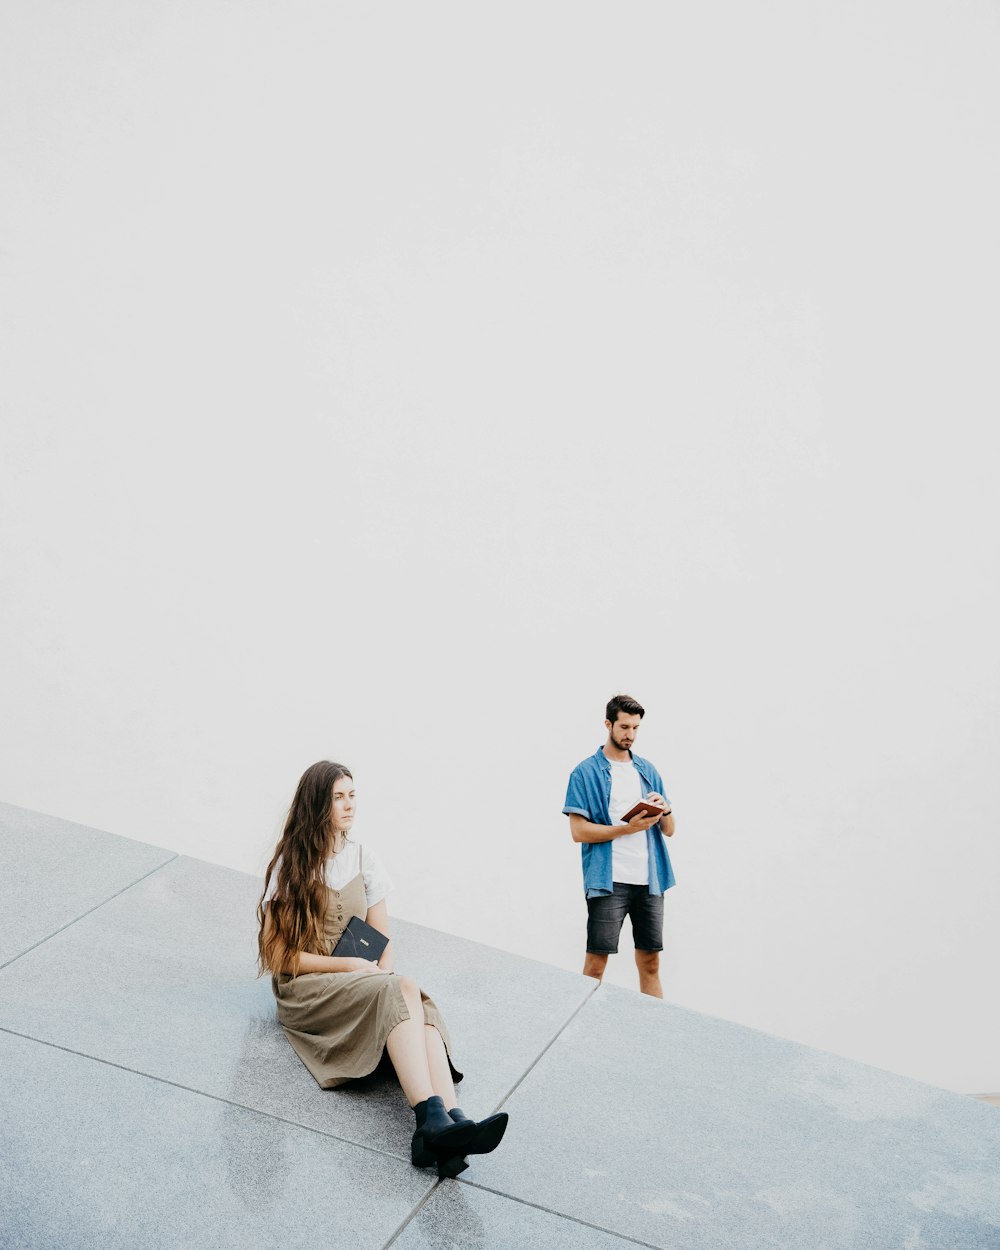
(588, 795)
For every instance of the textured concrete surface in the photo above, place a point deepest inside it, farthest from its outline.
(148, 1097)
(678, 1129)
(55, 871)
(161, 980)
(464, 1217)
(92, 1155)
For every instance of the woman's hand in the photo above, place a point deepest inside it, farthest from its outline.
(363, 965)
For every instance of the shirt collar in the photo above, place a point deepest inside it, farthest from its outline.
(604, 762)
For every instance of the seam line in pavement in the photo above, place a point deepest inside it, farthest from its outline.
(413, 1215)
(573, 1219)
(49, 936)
(189, 1089)
(558, 1214)
(545, 1050)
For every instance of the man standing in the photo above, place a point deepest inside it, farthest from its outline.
(626, 868)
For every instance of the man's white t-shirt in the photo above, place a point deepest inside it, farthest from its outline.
(629, 853)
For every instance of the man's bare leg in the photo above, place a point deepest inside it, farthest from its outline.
(648, 963)
(594, 966)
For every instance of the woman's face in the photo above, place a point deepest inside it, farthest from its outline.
(342, 805)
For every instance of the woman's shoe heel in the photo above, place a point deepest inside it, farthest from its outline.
(451, 1167)
(420, 1156)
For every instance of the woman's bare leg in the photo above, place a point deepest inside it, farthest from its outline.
(408, 1049)
(437, 1064)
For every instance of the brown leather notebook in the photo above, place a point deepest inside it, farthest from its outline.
(645, 809)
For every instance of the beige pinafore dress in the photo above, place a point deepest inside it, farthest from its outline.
(338, 1022)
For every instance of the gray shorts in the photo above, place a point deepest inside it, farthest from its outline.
(606, 914)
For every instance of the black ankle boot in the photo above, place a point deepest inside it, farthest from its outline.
(457, 1163)
(437, 1136)
(488, 1132)
(452, 1167)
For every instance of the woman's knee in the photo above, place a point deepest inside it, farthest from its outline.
(409, 987)
(413, 998)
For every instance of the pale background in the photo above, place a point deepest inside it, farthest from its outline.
(393, 383)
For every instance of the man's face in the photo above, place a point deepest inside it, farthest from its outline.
(623, 731)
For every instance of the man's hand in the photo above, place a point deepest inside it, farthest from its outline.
(638, 823)
(666, 820)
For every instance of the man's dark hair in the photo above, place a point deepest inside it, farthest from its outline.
(624, 703)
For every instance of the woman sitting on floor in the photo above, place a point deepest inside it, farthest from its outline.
(342, 1014)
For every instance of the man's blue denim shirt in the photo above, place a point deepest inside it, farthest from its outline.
(588, 795)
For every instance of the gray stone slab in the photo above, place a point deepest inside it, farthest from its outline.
(54, 871)
(162, 980)
(688, 1132)
(95, 1157)
(465, 1217)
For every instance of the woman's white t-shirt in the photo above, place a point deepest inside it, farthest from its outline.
(343, 867)
(347, 863)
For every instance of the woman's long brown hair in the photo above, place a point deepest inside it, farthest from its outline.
(293, 920)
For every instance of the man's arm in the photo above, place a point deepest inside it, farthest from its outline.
(584, 830)
(667, 820)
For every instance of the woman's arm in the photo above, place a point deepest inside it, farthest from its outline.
(378, 918)
(297, 962)
(305, 962)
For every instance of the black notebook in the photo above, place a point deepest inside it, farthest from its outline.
(360, 941)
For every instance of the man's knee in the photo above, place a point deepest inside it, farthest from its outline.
(647, 961)
(594, 965)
